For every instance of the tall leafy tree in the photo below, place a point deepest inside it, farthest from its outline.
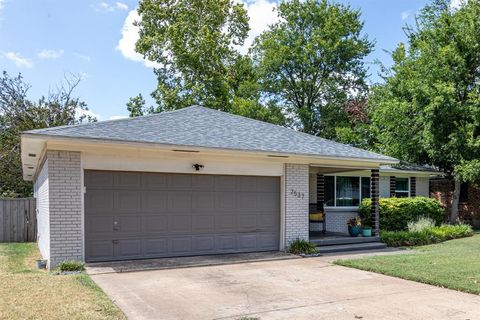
(18, 114)
(311, 62)
(194, 43)
(428, 109)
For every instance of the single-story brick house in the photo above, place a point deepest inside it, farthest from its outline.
(191, 182)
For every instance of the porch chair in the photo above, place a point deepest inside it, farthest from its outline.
(317, 216)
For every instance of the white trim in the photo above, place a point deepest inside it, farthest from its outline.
(43, 137)
(408, 185)
(360, 197)
(338, 209)
(417, 173)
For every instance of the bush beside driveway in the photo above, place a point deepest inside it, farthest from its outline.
(27, 293)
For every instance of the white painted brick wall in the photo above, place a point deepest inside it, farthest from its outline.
(41, 194)
(384, 183)
(337, 219)
(65, 202)
(296, 205)
(423, 186)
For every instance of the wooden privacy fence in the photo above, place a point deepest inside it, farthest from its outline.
(18, 221)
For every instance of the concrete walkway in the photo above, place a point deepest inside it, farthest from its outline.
(310, 288)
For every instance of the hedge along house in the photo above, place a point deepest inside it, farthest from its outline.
(339, 194)
(188, 182)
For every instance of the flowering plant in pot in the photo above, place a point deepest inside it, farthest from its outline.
(354, 226)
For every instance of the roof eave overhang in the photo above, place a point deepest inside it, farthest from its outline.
(39, 141)
(415, 172)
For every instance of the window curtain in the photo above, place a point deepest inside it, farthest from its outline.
(348, 191)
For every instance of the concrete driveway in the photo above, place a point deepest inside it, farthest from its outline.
(288, 289)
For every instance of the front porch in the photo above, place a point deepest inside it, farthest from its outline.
(334, 197)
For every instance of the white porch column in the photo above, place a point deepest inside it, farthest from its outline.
(296, 202)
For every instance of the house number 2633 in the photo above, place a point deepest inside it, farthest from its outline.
(297, 194)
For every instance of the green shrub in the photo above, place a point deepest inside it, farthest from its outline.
(406, 238)
(71, 266)
(421, 224)
(396, 213)
(426, 236)
(448, 232)
(302, 247)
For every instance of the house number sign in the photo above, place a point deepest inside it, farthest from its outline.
(297, 194)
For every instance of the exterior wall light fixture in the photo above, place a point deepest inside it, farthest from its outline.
(197, 166)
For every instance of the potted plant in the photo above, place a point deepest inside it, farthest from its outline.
(354, 226)
(366, 228)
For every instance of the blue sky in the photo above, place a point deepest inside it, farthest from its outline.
(45, 40)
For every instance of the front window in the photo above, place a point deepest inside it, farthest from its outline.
(329, 194)
(366, 187)
(402, 189)
(346, 191)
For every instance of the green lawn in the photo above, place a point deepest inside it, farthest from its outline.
(454, 264)
(27, 293)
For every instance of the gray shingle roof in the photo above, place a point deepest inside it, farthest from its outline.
(403, 166)
(203, 127)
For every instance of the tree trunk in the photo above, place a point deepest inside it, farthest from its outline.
(455, 200)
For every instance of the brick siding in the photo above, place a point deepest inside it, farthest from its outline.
(413, 186)
(393, 186)
(375, 201)
(296, 202)
(468, 211)
(65, 202)
(320, 189)
(337, 219)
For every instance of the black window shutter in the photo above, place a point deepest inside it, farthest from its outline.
(413, 186)
(393, 186)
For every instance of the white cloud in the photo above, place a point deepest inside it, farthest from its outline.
(2, 2)
(50, 54)
(117, 117)
(107, 7)
(82, 57)
(130, 35)
(262, 13)
(121, 6)
(406, 14)
(81, 112)
(456, 4)
(18, 59)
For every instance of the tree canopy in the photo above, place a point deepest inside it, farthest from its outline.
(306, 68)
(428, 109)
(312, 62)
(192, 43)
(18, 114)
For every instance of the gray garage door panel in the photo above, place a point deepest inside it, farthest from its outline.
(130, 215)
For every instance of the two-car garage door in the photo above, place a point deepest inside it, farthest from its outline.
(131, 215)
